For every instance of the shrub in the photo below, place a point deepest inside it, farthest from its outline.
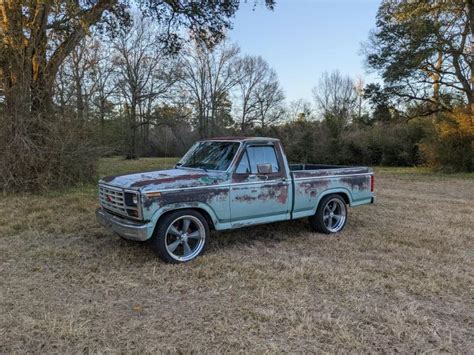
(41, 154)
(450, 147)
(392, 144)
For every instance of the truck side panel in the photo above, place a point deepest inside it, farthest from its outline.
(311, 186)
(261, 202)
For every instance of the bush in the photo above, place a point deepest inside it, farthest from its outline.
(391, 144)
(450, 147)
(41, 154)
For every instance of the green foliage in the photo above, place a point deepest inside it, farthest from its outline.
(450, 146)
(389, 144)
(117, 165)
(418, 48)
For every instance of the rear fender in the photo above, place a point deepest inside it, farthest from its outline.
(341, 190)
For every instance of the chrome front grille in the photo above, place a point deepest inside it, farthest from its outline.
(114, 200)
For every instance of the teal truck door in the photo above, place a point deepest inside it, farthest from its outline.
(257, 197)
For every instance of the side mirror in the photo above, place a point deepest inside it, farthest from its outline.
(264, 168)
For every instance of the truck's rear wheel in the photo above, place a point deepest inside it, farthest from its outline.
(331, 215)
(181, 236)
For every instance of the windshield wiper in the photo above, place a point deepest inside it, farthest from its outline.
(195, 166)
(201, 167)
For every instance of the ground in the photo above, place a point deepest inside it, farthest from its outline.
(399, 278)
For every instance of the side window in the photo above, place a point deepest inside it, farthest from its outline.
(244, 167)
(262, 155)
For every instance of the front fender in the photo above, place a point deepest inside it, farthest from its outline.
(218, 224)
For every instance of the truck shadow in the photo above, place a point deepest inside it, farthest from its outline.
(272, 233)
(268, 233)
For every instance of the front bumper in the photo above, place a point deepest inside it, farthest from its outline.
(127, 229)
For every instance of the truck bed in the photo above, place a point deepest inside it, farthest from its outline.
(299, 167)
(311, 181)
(316, 170)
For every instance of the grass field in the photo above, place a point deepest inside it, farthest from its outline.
(399, 278)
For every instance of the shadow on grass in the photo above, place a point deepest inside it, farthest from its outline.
(266, 233)
(139, 252)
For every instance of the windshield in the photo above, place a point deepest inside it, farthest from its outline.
(210, 155)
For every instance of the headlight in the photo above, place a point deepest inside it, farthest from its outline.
(131, 199)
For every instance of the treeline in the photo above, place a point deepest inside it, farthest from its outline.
(135, 91)
(142, 101)
(149, 102)
(84, 80)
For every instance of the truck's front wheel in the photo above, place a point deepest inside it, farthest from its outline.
(331, 215)
(180, 236)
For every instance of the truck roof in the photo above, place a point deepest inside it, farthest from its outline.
(240, 139)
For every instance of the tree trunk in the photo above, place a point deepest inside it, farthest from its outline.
(79, 98)
(470, 12)
(102, 112)
(132, 144)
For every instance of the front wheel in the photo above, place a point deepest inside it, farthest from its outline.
(331, 215)
(180, 236)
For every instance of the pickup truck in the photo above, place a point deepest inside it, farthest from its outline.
(228, 183)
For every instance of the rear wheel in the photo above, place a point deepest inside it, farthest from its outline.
(331, 215)
(181, 236)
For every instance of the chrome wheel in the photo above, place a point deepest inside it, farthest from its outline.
(334, 215)
(185, 238)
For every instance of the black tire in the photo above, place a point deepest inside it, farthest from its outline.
(325, 222)
(190, 243)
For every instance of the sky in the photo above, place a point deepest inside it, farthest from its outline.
(301, 39)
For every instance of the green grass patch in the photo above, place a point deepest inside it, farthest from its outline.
(122, 166)
(423, 172)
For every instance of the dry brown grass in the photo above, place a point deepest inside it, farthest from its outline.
(399, 278)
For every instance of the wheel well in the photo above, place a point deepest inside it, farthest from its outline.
(344, 196)
(200, 210)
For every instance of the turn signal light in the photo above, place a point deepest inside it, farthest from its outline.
(153, 194)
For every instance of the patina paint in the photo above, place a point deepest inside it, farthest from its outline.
(236, 200)
(276, 192)
(312, 185)
(255, 198)
(167, 179)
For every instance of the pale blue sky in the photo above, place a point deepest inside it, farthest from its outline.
(303, 38)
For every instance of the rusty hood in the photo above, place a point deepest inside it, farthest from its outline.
(167, 179)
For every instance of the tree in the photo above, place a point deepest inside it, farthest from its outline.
(359, 88)
(380, 102)
(269, 99)
(470, 12)
(253, 71)
(421, 49)
(36, 37)
(143, 76)
(336, 97)
(75, 85)
(300, 110)
(208, 76)
(102, 75)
